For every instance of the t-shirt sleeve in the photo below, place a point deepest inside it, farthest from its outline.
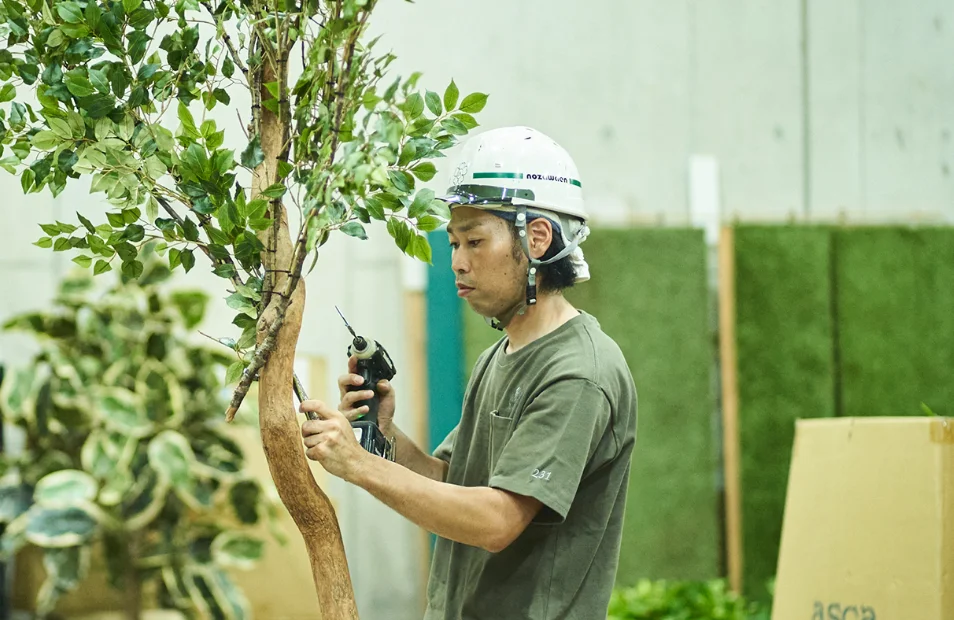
(551, 445)
(446, 447)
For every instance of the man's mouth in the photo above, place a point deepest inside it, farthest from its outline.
(463, 290)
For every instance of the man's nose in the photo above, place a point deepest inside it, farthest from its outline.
(458, 263)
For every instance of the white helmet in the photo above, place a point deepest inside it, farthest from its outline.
(520, 171)
(528, 167)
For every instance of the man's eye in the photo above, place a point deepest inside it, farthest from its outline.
(454, 245)
(474, 243)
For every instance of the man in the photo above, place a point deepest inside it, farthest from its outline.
(527, 493)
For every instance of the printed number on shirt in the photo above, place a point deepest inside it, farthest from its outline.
(541, 475)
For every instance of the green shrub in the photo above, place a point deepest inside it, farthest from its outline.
(683, 600)
(125, 446)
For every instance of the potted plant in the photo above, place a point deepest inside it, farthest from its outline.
(125, 451)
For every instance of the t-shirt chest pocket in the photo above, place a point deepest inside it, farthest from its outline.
(500, 432)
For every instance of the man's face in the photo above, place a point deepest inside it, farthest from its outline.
(490, 269)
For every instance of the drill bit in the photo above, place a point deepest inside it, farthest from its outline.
(346, 323)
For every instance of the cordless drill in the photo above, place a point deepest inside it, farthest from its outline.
(374, 365)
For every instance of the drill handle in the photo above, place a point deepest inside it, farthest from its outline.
(368, 384)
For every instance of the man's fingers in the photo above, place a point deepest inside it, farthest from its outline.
(353, 364)
(349, 381)
(319, 408)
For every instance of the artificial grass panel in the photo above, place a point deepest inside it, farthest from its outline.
(785, 372)
(648, 291)
(895, 320)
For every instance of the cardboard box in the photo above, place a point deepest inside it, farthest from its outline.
(868, 532)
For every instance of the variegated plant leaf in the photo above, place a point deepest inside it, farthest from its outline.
(60, 527)
(66, 487)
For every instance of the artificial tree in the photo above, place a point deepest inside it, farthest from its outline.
(123, 91)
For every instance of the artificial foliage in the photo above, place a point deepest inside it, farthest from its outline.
(125, 452)
(128, 100)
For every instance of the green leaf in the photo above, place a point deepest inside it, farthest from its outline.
(427, 223)
(101, 267)
(224, 271)
(232, 549)
(70, 12)
(131, 5)
(414, 106)
(132, 269)
(465, 119)
(454, 127)
(45, 140)
(284, 169)
(191, 305)
(253, 155)
(65, 487)
(146, 71)
(424, 171)
(450, 96)
(188, 123)
(7, 93)
(170, 454)
(375, 207)
(98, 105)
(402, 181)
(433, 102)
(228, 67)
(473, 103)
(421, 203)
(59, 527)
(245, 496)
(131, 215)
(190, 230)
(44, 242)
(420, 248)
(234, 372)
(440, 209)
(122, 411)
(354, 229)
(83, 261)
(99, 81)
(78, 83)
(29, 72)
(274, 191)
(188, 260)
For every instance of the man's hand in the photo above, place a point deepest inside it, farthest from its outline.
(330, 441)
(349, 399)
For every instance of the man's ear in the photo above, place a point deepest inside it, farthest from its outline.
(539, 236)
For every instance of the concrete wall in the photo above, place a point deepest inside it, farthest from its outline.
(811, 110)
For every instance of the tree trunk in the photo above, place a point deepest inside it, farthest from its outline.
(281, 435)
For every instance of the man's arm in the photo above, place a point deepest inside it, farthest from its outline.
(407, 453)
(478, 516)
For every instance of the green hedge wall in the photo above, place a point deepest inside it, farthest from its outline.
(895, 320)
(648, 291)
(785, 366)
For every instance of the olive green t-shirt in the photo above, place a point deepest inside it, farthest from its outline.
(555, 420)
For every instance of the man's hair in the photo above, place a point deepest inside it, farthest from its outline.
(556, 276)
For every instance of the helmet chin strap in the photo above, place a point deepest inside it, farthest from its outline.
(531, 298)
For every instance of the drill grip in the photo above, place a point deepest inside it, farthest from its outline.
(368, 384)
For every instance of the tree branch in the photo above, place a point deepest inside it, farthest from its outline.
(236, 280)
(233, 51)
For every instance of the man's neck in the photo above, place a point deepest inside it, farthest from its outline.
(549, 313)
